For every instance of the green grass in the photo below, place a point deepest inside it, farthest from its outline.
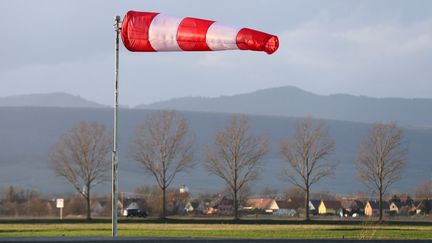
(360, 231)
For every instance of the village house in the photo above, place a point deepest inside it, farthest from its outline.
(98, 207)
(267, 205)
(352, 207)
(133, 203)
(424, 206)
(189, 207)
(207, 207)
(329, 207)
(403, 205)
(183, 207)
(197, 206)
(313, 206)
(295, 202)
(179, 201)
(372, 207)
(128, 203)
(289, 207)
(394, 207)
(209, 210)
(225, 207)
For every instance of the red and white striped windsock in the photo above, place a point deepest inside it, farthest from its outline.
(154, 32)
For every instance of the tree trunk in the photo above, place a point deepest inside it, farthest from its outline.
(164, 213)
(236, 217)
(88, 216)
(307, 204)
(380, 205)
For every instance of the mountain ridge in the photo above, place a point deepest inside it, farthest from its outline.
(291, 101)
(55, 99)
(287, 101)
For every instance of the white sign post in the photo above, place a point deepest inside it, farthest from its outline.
(60, 204)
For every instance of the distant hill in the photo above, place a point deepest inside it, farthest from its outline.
(293, 102)
(48, 100)
(28, 133)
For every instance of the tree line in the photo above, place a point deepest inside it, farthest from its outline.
(164, 146)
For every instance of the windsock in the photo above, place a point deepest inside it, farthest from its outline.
(155, 32)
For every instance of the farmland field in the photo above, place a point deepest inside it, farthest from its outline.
(299, 231)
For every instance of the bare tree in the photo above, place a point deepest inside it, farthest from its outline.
(81, 157)
(424, 190)
(236, 157)
(381, 158)
(269, 192)
(294, 192)
(163, 146)
(307, 154)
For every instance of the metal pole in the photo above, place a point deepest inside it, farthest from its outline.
(114, 152)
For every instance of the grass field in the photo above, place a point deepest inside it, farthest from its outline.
(328, 231)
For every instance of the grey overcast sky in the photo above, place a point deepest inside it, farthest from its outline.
(375, 48)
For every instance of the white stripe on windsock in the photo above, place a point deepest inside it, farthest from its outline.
(162, 33)
(220, 37)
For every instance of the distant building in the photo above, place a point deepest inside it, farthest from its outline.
(372, 208)
(313, 206)
(424, 206)
(352, 206)
(403, 205)
(329, 207)
(225, 207)
(267, 205)
(289, 207)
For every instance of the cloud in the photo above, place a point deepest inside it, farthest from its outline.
(378, 59)
(323, 44)
(391, 39)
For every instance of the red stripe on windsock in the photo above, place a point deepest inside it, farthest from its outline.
(191, 34)
(249, 39)
(135, 29)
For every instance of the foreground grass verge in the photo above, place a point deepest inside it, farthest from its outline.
(294, 231)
